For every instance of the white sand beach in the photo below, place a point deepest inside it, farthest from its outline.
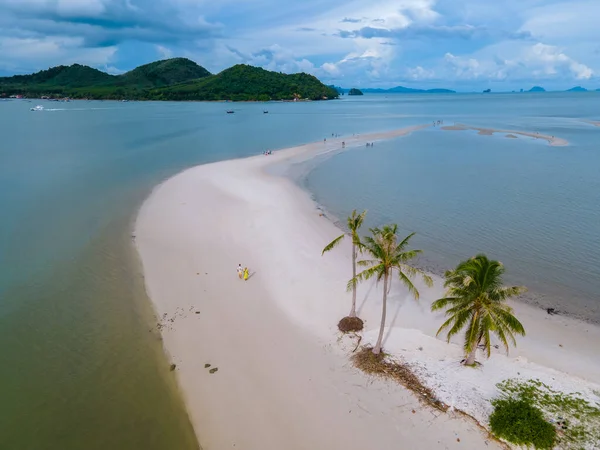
(284, 380)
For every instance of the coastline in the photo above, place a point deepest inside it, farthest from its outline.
(552, 140)
(283, 379)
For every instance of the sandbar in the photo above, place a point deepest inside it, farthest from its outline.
(283, 379)
(552, 140)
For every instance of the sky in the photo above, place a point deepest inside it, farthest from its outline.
(459, 44)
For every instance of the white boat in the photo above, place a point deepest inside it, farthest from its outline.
(38, 108)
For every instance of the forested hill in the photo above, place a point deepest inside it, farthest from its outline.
(242, 82)
(171, 79)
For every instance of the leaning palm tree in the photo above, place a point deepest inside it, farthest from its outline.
(476, 299)
(388, 256)
(355, 221)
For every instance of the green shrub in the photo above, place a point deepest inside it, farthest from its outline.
(521, 423)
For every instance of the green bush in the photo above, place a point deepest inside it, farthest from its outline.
(521, 423)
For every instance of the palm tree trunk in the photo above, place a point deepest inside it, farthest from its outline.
(353, 310)
(377, 348)
(471, 356)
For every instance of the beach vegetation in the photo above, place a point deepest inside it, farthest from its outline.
(476, 301)
(575, 419)
(354, 223)
(388, 256)
(519, 422)
(171, 79)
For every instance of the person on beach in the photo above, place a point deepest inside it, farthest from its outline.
(246, 274)
(240, 271)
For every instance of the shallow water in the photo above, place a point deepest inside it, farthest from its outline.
(532, 206)
(82, 365)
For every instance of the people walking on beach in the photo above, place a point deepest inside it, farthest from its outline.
(246, 274)
(240, 271)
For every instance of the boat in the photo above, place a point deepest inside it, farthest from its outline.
(265, 112)
(37, 108)
(230, 111)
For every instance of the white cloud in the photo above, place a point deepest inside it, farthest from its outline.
(46, 52)
(550, 60)
(164, 52)
(386, 42)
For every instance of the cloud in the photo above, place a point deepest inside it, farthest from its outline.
(466, 32)
(274, 58)
(106, 22)
(164, 52)
(350, 20)
(382, 43)
(550, 60)
(536, 62)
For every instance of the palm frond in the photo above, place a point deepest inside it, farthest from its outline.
(333, 244)
(408, 283)
(475, 300)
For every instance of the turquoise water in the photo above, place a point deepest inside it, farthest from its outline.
(532, 206)
(82, 366)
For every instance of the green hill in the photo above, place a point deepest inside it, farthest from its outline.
(67, 76)
(164, 73)
(246, 83)
(171, 79)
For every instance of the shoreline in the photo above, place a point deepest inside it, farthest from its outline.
(282, 381)
(552, 140)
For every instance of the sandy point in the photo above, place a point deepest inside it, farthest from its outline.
(260, 362)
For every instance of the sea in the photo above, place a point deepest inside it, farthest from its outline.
(82, 365)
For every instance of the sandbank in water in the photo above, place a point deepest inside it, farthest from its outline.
(283, 378)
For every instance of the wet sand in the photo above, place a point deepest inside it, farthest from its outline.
(552, 140)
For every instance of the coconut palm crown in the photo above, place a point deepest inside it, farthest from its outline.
(387, 256)
(476, 300)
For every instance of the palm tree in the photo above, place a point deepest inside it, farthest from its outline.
(388, 256)
(475, 299)
(355, 221)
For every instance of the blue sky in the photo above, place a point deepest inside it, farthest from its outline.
(461, 44)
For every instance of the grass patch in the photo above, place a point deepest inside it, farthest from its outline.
(521, 423)
(350, 324)
(575, 420)
(372, 364)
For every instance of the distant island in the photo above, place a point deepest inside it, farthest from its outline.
(355, 91)
(577, 89)
(487, 91)
(405, 90)
(173, 79)
(537, 89)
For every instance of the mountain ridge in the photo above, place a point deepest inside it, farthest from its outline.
(170, 79)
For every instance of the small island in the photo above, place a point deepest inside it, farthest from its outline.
(355, 91)
(537, 89)
(577, 89)
(175, 79)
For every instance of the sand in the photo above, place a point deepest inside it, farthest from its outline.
(552, 140)
(283, 378)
